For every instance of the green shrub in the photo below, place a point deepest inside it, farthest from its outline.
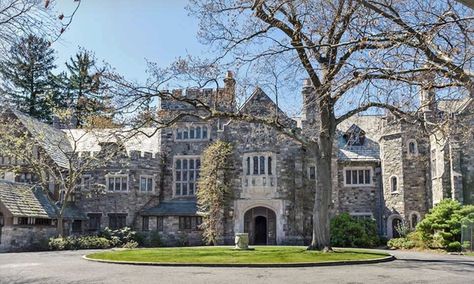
(75, 243)
(454, 246)
(401, 243)
(347, 231)
(442, 226)
(155, 239)
(130, 245)
(119, 237)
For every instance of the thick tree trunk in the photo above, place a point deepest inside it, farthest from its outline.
(323, 196)
(60, 226)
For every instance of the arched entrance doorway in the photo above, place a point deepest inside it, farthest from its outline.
(260, 224)
(396, 224)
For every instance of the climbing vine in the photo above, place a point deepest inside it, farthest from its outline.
(214, 188)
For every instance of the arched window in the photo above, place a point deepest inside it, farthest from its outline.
(248, 165)
(414, 219)
(412, 148)
(393, 184)
(269, 165)
(262, 165)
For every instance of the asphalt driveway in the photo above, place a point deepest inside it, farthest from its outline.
(69, 267)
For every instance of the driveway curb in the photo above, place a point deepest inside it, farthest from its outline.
(267, 265)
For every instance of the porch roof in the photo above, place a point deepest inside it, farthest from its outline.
(172, 208)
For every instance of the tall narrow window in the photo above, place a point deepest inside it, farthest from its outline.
(146, 223)
(255, 165)
(412, 148)
(269, 165)
(191, 133)
(179, 134)
(414, 220)
(248, 165)
(204, 132)
(198, 132)
(262, 165)
(393, 184)
(312, 173)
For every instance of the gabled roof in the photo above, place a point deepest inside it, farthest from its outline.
(371, 127)
(172, 208)
(23, 200)
(261, 105)
(52, 140)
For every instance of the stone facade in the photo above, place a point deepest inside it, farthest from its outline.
(383, 169)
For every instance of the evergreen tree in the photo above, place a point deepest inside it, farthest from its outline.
(85, 89)
(27, 78)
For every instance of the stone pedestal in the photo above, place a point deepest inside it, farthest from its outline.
(242, 241)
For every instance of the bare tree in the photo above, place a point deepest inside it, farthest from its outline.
(20, 18)
(357, 55)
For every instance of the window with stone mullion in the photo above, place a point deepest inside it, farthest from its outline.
(186, 175)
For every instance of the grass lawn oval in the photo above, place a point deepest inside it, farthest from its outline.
(278, 256)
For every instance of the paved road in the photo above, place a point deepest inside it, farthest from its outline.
(69, 267)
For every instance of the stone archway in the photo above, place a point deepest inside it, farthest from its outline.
(260, 224)
(393, 222)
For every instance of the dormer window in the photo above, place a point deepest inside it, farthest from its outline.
(354, 136)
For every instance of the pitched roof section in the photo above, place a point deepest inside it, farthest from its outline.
(371, 125)
(172, 208)
(23, 200)
(52, 140)
(261, 105)
(72, 212)
(141, 140)
(454, 106)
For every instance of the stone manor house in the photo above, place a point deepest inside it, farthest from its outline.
(383, 169)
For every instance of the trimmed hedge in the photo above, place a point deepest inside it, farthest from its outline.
(75, 243)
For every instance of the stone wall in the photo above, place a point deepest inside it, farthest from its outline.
(25, 238)
(100, 200)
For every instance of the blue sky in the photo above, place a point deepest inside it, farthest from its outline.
(125, 33)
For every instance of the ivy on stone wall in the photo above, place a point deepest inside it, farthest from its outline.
(213, 189)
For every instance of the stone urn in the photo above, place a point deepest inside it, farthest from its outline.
(242, 241)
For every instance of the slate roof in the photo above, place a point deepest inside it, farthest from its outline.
(141, 140)
(371, 125)
(72, 212)
(453, 106)
(172, 208)
(23, 200)
(261, 105)
(52, 140)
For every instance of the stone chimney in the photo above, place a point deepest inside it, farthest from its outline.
(309, 114)
(428, 98)
(310, 107)
(227, 98)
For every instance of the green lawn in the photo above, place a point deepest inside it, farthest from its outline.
(227, 255)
